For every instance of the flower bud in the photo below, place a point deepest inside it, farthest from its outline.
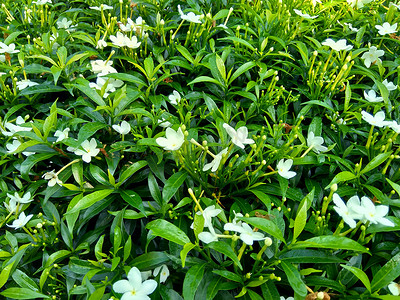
(334, 187)
(268, 241)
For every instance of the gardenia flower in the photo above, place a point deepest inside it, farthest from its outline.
(123, 129)
(239, 137)
(52, 178)
(64, 23)
(284, 168)
(305, 16)
(394, 288)
(10, 49)
(175, 98)
(374, 214)
(102, 6)
(111, 85)
(89, 150)
(134, 288)
(247, 235)
(23, 84)
(208, 237)
(372, 56)
(386, 28)
(316, 142)
(24, 200)
(209, 213)
(215, 162)
(191, 17)
(21, 221)
(61, 135)
(377, 120)
(102, 67)
(173, 141)
(350, 211)
(163, 274)
(371, 97)
(389, 85)
(337, 46)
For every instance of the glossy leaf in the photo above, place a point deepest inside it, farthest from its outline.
(168, 231)
(192, 281)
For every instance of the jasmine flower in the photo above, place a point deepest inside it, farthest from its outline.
(89, 150)
(134, 288)
(371, 97)
(173, 141)
(386, 28)
(214, 165)
(337, 46)
(21, 221)
(284, 168)
(239, 137)
(123, 129)
(372, 56)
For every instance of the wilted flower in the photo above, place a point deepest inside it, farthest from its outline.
(134, 288)
(372, 56)
(350, 211)
(52, 178)
(24, 83)
(378, 120)
(315, 142)
(239, 137)
(61, 135)
(175, 98)
(215, 162)
(389, 85)
(337, 46)
(305, 16)
(173, 141)
(164, 272)
(90, 149)
(191, 17)
(386, 28)
(284, 168)
(21, 221)
(123, 129)
(371, 97)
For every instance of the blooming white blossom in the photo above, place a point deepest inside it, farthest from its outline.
(10, 49)
(164, 123)
(284, 168)
(378, 120)
(52, 178)
(164, 272)
(24, 83)
(64, 23)
(101, 44)
(123, 129)
(374, 214)
(360, 3)
(386, 28)
(303, 15)
(102, 67)
(14, 146)
(42, 2)
(247, 235)
(316, 142)
(337, 46)
(173, 140)
(102, 6)
(208, 213)
(288, 298)
(350, 211)
(134, 288)
(175, 98)
(371, 97)
(130, 26)
(372, 56)
(89, 150)
(111, 85)
(351, 27)
(208, 237)
(22, 200)
(21, 221)
(118, 40)
(395, 126)
(389, 85)
(239, 137)
(11, 206)
(61, 135)
(132, 42)
(394, 287)
(214, 164)
(15, 128)
(191, 17)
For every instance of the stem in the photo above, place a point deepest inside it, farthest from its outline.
(369, 137)
(308, 150)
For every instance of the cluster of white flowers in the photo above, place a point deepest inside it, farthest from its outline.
(12, 206)
(122, 40)
(138, 26)
(106, 86)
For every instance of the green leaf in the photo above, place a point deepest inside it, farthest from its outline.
(24, 280)
(386, 274)
(168, 231)
(133, 199)
(310, 256)
(213, 287)
(192, 281)
(294, 278)
(88, 200)
(225, 249)
(172, 185)
(97, 294)
(331, 242)
(185, 53)
(150, 260)
(342, 176)
(184, 252)
(220, 66)
(88, 130)
(240, 41)
(132, 169)
(376, 161)
(265, 225)
(301, 217)
(205, 79)
(56, 256)
(5, 274)
(154, 189)
(242, 69)
(23, 293)
(127, 77)
(32, 160)
(229, 275)
(41, 89)
(83, 86)
(360, 275)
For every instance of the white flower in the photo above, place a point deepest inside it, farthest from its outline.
(130, 25)
(89, 150)
(134, 288)
(175, 98)
(111, 85)
(215, 162)
(389, 85)
(375, 214)
(101, 44)
(119, 40)
(288, 298)
(14, 146)
(394, 288)
(386, 28)
(102, 67)
(239, 137)
(305, 16)
(350, 211)
(247, 235)
(146, 275)
(23, 84)
(61, 135)
(102, 6)
(191, 17)
(208, 237)
(64, 23)
(337, 46)
(52, 178)
(15, 128)
(377, 120)
(42, 2)
(316, 142)
(284, 167)
(24, 200)
(371, 97)
(21, 221)
(372, 56)
(164, 272)
(132, 42)
(351, 27)
(394, 126)
(173, 141)
(11, 206)
(164, 123)
(208, 213)
(10, 49)
(360, 3)
(123, 129)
